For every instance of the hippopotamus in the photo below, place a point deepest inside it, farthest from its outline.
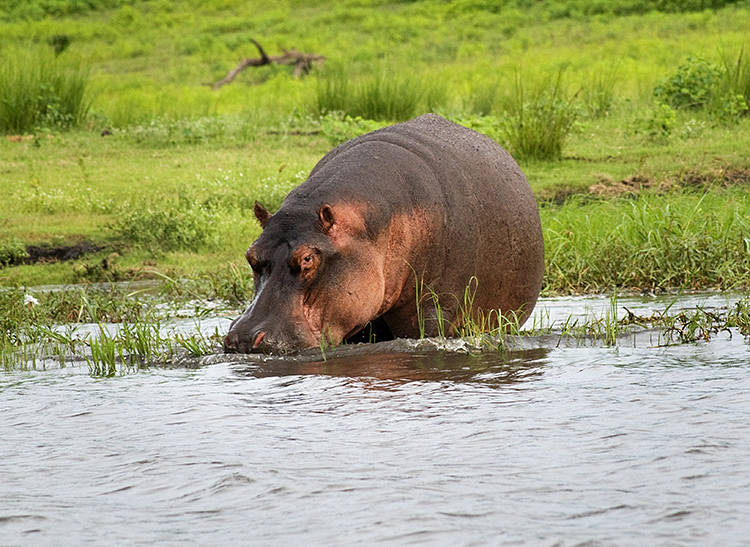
(421, 208)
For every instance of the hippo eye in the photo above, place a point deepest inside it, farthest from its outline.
(307, 259)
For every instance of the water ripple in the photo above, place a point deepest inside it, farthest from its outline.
(535, 446)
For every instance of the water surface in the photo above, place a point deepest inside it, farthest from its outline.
(543, 445)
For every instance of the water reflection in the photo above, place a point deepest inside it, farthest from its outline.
(491, 368)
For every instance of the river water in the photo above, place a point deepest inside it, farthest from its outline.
(547, 445)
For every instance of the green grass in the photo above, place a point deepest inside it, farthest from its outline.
(688, 240)
(567, 86)
(537, 118)
(384, 95)
(737, 73)
(38, 89)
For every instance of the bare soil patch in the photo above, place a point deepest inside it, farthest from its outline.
(607, 187)
(56, 253)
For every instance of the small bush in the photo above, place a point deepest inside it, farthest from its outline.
(38, 89)
(12, 251)
(658, 123)
(700, 85)
(538, 119)
(693, 86)
(185, 226)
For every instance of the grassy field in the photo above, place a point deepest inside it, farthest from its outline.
(631, 126)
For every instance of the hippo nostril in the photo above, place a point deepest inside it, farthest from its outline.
(231, 341)
(258, 339)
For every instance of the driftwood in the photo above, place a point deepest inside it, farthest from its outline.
(303, 63)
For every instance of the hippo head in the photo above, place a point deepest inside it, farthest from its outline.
(318, 279)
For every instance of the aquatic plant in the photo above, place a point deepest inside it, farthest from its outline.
(196, 343)
(104, 351)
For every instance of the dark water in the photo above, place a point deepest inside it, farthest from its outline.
(543, 446)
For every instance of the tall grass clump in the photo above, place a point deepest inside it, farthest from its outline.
(39, 89)
(382, 95)
(333, 90)
(537, 118)
(737, 74)
(598, 92)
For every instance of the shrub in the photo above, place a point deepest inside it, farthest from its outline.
(39, 89)
(658, 123)
(12, 251)
(693, 86)
(184, 226)
(698, 84)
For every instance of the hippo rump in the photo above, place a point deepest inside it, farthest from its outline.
(422, 207)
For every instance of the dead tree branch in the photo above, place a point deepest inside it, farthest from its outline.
(303, 63)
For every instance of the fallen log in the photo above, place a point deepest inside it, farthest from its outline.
(303, 63)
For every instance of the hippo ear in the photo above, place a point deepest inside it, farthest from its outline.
(326, 217)
(262, 214)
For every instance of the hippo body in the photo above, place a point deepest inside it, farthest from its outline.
(422, 205)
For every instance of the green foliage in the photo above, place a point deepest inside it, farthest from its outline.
(167, 131)
(651, 242)
(482, 96)
(692, 86)
(339, 128)
(698, 84)
(38, 89)
(537, 119)
(583, 8)
(737, 73)
(38, 9)
(59, 42)
(24, 310)
(186, 225)
(383, 95)
(658, 124)
(12, 251)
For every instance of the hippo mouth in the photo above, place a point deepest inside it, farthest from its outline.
(376, 330)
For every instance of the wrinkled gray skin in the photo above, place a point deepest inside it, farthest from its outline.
(426, 200)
